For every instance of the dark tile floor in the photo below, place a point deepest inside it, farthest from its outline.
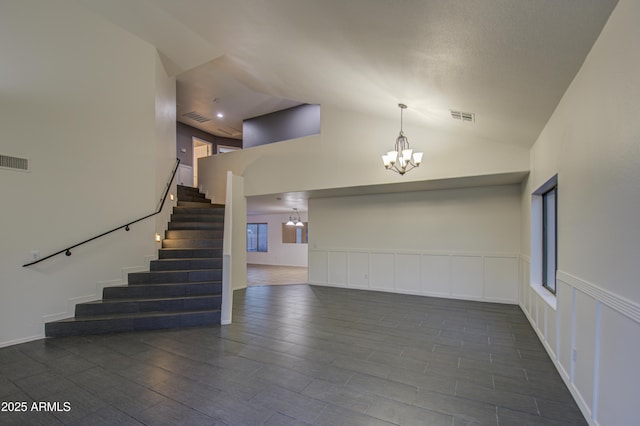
(298, 355)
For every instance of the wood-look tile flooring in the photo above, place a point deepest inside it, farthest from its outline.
(300, 355)
(258, 275)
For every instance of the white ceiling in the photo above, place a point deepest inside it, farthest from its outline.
(507, 61)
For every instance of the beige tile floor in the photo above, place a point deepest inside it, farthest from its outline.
(260, 275)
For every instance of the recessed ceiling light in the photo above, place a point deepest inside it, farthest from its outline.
(219, 115)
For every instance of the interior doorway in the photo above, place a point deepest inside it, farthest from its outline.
(261, 275)
(201, 148)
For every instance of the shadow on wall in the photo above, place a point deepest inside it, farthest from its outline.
(291, 123)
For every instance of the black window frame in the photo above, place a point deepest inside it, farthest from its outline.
(260, 246)
(551, 192)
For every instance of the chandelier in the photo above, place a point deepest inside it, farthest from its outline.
(402, 158)
(294, 219)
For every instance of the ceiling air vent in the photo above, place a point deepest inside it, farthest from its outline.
(463, 116)
(196, 117)
(14, 163)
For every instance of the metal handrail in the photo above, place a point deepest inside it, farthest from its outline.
(67, 251)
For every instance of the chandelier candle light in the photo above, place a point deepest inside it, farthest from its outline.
(402, 159)
(294, 219)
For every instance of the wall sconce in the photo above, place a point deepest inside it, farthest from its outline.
(158, 238)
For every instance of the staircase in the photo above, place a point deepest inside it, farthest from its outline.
(182, 289)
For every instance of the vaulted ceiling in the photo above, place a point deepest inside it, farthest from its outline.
(507, 61)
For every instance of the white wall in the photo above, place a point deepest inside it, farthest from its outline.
(459, 243)
(279, 253)
(165, 147)
(593, 142)
(234, 250)
(88, 104)
(311, 162)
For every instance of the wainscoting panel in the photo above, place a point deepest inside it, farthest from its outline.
(338, 267)
(382, 271)
(593, 337)
(467, 274)
(358, 269)
(620, 335)
(318, 266)
(550, 327)
(584, 345)
(499, 275)
(540, 314)
(524, 281)
(436, 275)
(407, 277)
(487, 277)
(564, 294)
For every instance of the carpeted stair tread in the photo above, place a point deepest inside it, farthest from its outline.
(122, 323)
(165, 284)
(183, 287)
(162, 290)
(134, 315)
(145, 304)
(151, 299)
(199, 205)
(193, 253)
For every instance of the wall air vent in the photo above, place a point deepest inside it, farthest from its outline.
(195, 116)
(14, 163)
(463, 116)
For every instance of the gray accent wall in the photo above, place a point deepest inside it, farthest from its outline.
(291, 123)
(184, 135)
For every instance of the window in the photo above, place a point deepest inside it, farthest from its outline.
(257, 237)
(549, 239)
(544, 237)
(295, 234)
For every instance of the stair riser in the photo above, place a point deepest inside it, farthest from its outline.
(182, 289)
(185, 264)
(82, 328)
(169, 321)
(161, 290)
(192, 243)
(211, 226)
(182, 253)
(204, 204)
(184, 195)
(209, 211)
(165, 277)
(196, 218)
(85, 310)
(183, 189)
(193, 199)
(177, 321)
(195, 202)
(194, 234)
